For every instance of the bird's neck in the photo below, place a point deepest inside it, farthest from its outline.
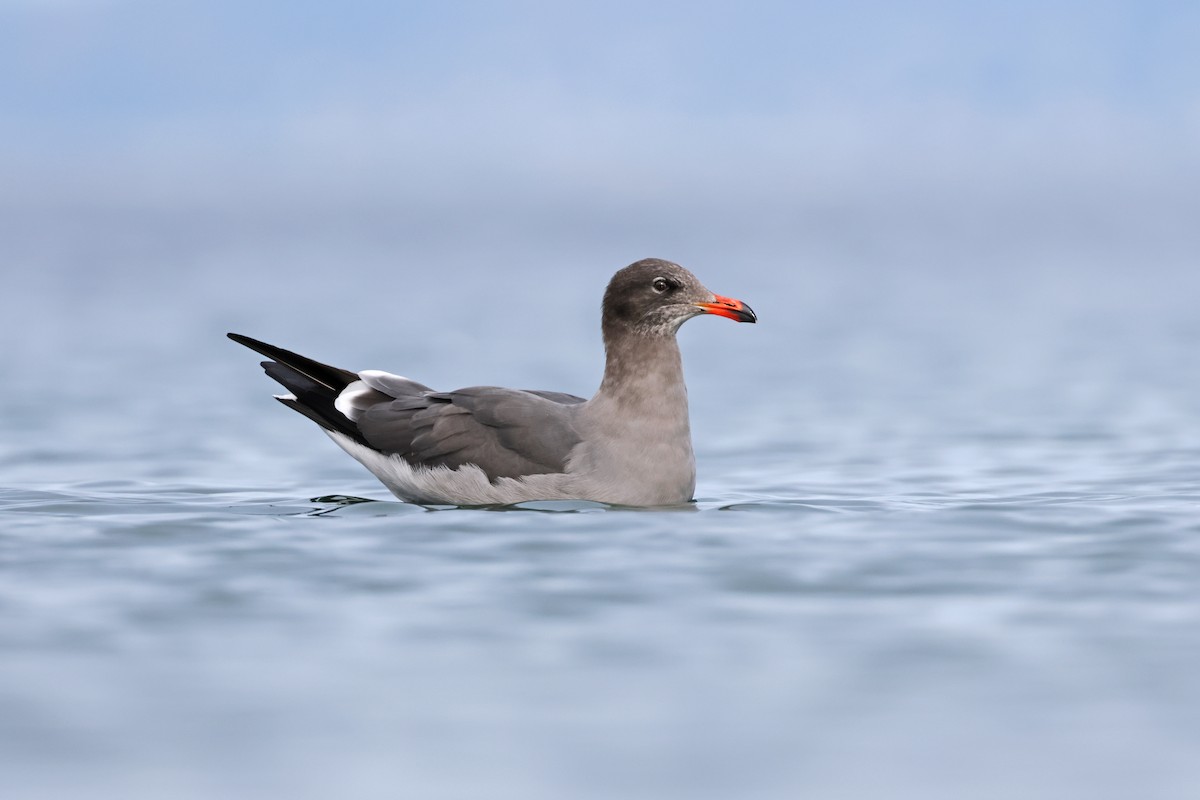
(643, 371)
(640, 436)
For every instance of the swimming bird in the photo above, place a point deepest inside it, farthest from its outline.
(630, 444)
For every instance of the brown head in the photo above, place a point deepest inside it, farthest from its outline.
(653, 297)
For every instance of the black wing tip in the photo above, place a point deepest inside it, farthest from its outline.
(313, 386)
(322, 412)
(246, 341)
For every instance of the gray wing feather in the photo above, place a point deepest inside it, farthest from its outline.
(505, 432)
(558, 397)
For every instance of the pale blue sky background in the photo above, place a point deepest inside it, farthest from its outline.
(788, 144)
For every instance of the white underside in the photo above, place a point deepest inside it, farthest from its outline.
(467, 485)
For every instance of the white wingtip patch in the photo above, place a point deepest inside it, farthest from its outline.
(378, 379)
(288, 396)
(351, 400)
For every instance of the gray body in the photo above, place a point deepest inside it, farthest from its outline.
(630, 444)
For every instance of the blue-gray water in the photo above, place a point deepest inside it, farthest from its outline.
(946, 544)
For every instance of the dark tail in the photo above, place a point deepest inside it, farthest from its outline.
(314, 385)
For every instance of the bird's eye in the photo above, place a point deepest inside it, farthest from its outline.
(660, 285)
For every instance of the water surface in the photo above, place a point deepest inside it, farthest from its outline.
(937, 550)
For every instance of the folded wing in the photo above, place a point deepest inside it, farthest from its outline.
(507, 433)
